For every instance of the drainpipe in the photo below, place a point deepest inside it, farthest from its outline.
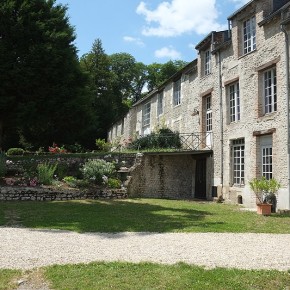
(221, 119)
(283, 23)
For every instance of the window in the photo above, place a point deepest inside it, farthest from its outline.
(177, 93)
(207, 62)
(249, 32)
(208, 114)
(266, 156)
(160, 104)
(146, 115)
(234, 102)
(270, 91)
(208, 121)
(238, 159)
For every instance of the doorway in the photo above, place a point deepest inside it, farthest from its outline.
(200, 178)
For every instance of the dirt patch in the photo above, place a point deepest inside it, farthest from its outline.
(33, 280)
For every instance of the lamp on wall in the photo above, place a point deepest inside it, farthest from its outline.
(195, 112)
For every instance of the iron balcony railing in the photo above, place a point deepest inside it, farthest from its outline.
(174, 142)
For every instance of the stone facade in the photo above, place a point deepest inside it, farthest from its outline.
(237, 90)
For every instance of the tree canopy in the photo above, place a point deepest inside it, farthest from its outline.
(47, 94)
(42, 86)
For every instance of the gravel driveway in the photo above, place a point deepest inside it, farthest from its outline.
(22, 248)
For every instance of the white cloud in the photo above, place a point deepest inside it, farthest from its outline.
(180, 16)
(192, 46)
(137, 41)
(169, 52)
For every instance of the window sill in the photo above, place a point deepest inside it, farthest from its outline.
(248, 53)
(237, 186)
(204, 76)
(268, 116)
(234, 123)
(176, 106)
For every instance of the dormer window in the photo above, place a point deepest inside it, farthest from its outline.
(249, 33)
(207, 59)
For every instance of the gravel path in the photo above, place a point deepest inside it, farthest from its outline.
(22, 248)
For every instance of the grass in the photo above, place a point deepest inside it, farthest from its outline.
(121, 275)
(7, 278)
(140, 215)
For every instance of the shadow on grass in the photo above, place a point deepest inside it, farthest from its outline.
(107, 216)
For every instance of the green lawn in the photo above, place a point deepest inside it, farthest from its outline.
(8, 278)
(125, 276)
(140, 215)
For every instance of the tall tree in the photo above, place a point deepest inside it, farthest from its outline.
(42, 87)
(158, 73)
(96, 64)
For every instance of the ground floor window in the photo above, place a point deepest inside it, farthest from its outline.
(238, 161)
(266, 156)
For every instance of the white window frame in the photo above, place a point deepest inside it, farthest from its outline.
(234, 102)
(207, 59)
(160, 98)
(266, 156)
(208, 120)
(238, 162)
(146, 112)
(249, 35)
(177, 93)
(270, 90)
(208, 117)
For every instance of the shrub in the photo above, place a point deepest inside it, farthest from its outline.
(45, 173)
(94, 170)
(15, 151)
(114, 183)
(102, 145)
(3, 168)
(164, 138)
(62, 170)
(75, 148)
(70, 180)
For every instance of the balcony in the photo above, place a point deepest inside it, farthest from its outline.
(172, 142)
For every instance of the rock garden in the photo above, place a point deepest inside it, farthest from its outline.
(59, 175)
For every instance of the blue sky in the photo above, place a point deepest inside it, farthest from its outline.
(149, 30)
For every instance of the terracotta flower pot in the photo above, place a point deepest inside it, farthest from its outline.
(264, 208)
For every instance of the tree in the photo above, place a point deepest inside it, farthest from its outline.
(129, 77)
(42, 92)
(96, 64)
(158, 73)
(116, 81)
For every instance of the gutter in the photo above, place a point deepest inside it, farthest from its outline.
(282, 25)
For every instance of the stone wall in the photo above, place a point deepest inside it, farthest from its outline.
(51, 194)
(163, 176)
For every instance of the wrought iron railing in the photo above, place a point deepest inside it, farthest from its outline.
(174, 142)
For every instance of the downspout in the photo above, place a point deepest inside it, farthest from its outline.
(221, 119)
(287, 97)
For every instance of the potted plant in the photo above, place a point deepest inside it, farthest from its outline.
(265, 191)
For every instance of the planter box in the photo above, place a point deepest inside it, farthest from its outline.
(264, 208)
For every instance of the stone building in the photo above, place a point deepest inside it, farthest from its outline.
(235, 96)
